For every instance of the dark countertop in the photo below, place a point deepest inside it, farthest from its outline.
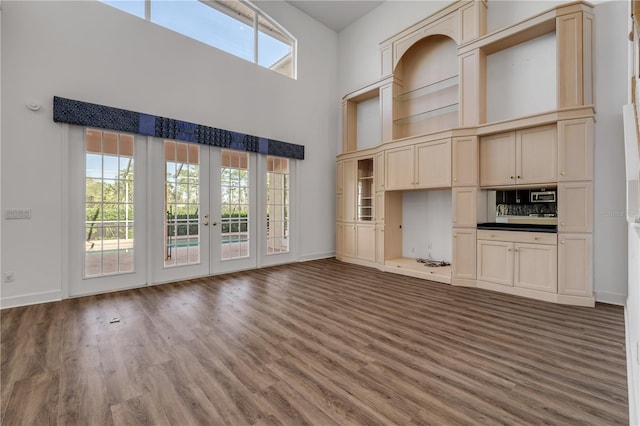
(525, 227)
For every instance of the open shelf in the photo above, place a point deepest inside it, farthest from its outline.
(426, 90)
(428, 114)
(411, 267)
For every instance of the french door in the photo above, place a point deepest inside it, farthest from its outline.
(106, 210)
(145, 211)
(203, 210)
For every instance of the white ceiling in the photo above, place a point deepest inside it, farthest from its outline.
(336, 14)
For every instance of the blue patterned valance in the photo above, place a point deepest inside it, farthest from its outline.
(104, 117)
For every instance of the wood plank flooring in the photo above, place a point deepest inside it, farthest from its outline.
(319, 342)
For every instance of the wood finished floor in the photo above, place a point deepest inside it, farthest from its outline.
(320, 342)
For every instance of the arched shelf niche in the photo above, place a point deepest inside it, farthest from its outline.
(426, 87)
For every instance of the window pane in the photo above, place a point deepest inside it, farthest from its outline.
(208, 25)
(275, 49)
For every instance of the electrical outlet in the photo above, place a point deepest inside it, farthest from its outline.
(8, 277)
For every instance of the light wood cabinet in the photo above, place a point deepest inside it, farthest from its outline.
(399, 164)
(463, 262)
(522, 157)
(349, 189)
(380, 242)
(339, 208)
(510, 259)
(495, 262)
(379, 207)
(536, 267)
(339, 177)
(349, 240)
(433, 164)
(339, 240)
(575, 267)
(575, 150)
(465, 161)
(379, 169)
(464, 209)
(575, 207)
(420, 166)
(536, 155)
(366, 242)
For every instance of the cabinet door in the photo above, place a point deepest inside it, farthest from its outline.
(463, 264)
(339, 177)
(497, 159)
(575, 150)
(465, 161)
(465, 202)
(536, 155)
(339, 240)
(495, 262)
(380, 244)
(366, 242)
(433, 164)
(399, 166)
(349, 240)
(339, 208)
(379, 207)
(575, 207)
(378, 167)
(536, 267)
(349, 189)
(575, 266)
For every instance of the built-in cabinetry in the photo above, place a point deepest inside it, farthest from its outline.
(521, 261)
(522, 157)
(432, 95)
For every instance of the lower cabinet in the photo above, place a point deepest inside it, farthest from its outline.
(509, 259)
(366, 242)
(575, 277)
(339, 240)
(349, 240)
(380, 244)
(463, 247)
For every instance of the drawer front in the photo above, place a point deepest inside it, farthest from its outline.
(518, 237)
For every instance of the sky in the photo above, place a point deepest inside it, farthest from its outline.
(206, 24)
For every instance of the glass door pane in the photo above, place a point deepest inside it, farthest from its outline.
(182, 204)
(234, 205)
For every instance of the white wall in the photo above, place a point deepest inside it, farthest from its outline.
(426, 224)
(92, 52)
(368, 129)
(610, 228)
(359, 65)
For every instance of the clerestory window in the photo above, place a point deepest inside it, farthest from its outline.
(234, 26)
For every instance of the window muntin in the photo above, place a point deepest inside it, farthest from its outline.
(277, 205)
(234, 204)
(182, 204)
(234, 26)
(109, 207)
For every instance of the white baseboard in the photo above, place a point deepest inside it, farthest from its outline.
(611, 298)
(633, 381)
(316, 256)
(30, 299)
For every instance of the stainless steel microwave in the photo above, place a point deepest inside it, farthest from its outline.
(543, 196)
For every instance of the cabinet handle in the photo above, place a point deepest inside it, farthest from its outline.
(562, 173)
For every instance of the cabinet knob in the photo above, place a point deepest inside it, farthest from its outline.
(455, 235)
(455, 220)
(205, 223)
(455, 180)
(561, 241)
(563, 173)
(562, 223)
(536, 238)
(493, 235)
(519, 177)
(511, 177)
(516, 250)
(508, 249)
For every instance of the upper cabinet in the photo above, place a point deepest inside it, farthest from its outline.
(575, 150)
(522, 157)
(424, 165)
